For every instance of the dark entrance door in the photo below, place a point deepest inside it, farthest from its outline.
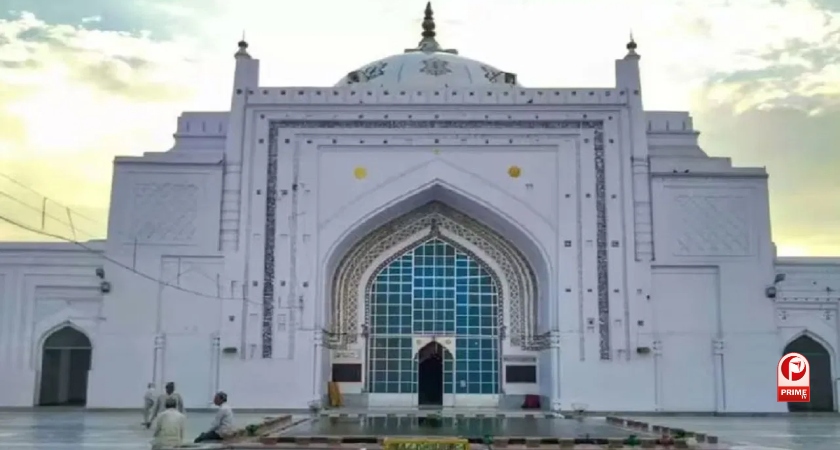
(65, 363)
(822, 386)
(430, 374)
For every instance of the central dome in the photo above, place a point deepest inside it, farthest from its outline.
(429, 65)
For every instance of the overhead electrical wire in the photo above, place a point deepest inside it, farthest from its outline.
(88, 248)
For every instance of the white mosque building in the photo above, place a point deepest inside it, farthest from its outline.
(425, 232)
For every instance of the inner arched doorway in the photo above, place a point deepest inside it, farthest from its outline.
(65, 363)
(434, 370)
(822, 386)
(434, 289)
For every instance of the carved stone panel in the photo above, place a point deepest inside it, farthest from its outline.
(165, 212)
(711, 225)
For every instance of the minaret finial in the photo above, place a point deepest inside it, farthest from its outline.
(631, 46)
(243, 48)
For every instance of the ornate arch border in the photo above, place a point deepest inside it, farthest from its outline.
(517, 283)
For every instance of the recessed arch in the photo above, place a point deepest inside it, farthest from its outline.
(67, 336)
(434, 220)
(66, 352)
(815, 337)
(820, 357)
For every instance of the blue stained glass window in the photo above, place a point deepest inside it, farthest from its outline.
(434, 289)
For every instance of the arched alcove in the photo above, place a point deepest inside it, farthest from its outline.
(822, 386)
(65, 363)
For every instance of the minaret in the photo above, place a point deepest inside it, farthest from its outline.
(247, 71)
(627, 70)
(246, 77)
(636, 194)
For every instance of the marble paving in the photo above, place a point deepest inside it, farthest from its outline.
(82, 430)
(763, 433)
(49, 429)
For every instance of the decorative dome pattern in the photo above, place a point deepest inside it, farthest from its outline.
(424, 69)
(429, 65)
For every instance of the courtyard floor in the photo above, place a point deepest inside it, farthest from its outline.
(51, 429)
(763, 433)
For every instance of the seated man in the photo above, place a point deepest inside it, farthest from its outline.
(168, 426)
(222, 424)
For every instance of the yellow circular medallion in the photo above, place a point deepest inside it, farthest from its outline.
(514, 171)
(360, 173)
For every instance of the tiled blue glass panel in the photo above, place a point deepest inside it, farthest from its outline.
(434, 289)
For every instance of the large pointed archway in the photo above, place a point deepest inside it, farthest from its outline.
(822, 384)
(433, 273)
(65, 363)
(354, 278)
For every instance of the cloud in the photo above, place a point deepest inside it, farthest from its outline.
(81, 83)
(71, 98)
(800, 152)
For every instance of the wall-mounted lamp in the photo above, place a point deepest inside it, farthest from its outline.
(772, 291)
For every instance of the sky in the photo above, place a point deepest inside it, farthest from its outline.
(85, 80)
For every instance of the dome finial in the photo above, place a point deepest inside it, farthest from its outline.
(429, 22)
(429, 44)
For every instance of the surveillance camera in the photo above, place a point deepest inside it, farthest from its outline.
(100, 272)
(105, 287)
(770, 292)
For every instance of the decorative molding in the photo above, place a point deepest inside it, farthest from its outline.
(600, 189)
(270, 246)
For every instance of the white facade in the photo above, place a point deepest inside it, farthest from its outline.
(631, 268)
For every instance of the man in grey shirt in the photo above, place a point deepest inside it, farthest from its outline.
(222, 426)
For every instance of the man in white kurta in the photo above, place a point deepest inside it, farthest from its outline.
(149, 403)
(168, 427)
(222, 426)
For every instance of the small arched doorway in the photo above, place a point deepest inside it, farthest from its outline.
(65, 363)
(822, 386)
(434, 363)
